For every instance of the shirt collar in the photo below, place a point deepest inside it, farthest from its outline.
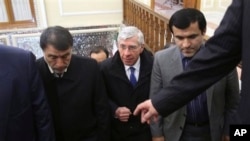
(51, 70)
(188, 58)
(136, 65)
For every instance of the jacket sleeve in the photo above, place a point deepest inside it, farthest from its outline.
(155, 85)
(41, 112)
(113, 106)
(232, 96)
(221, 55)
(102, 108)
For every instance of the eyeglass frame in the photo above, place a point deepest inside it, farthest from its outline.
(130, 48)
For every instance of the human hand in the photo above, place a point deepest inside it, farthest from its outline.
(122, 113)
(225, 138)
(147, 111)
(161, 138)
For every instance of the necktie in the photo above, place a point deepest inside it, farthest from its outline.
(132, 76)
(196, 108)
(185, 62)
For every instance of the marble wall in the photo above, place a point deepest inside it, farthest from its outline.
(84, 39)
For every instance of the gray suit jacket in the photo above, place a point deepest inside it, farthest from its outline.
(222, 97)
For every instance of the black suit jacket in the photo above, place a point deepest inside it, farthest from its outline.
(230, 44)
(24, 111)
(78, 100)
(121, 93)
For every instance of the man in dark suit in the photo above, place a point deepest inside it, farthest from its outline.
(74, 88)
(230, 44)
(204, 118)
(127, 86)
(24, 112)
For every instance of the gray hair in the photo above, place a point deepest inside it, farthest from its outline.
(129, 32)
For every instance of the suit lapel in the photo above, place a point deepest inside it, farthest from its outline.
(117, 69)
(176, 61)
(209, 93)
(145, 68)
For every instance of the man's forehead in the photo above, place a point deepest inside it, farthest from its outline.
(59, 53)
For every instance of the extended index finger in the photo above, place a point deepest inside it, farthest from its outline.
(138, 109)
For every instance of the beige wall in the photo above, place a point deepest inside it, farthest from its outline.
(73, 13)
(214, 11)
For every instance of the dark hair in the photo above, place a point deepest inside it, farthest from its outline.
(98, 49)
(57, 36)
(184, 17)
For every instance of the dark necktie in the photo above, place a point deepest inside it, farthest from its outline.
(132, 76)
(197, 108)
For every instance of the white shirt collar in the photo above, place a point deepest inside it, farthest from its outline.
(136, 65)
(137, 68)
(50, 69)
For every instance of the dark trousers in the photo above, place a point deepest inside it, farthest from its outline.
(196, 133)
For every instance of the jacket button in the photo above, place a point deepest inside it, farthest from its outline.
(181, 127)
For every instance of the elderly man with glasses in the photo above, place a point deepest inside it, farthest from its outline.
(127, 79)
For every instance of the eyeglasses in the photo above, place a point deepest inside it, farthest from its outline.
(130, 48)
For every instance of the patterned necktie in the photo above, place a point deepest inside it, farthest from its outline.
(132, 78)
(185, 62)
(196, 108)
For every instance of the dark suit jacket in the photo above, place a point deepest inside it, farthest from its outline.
(222, 98)
(121, 93)
(230, 44)
(24, 112)
(78, 101)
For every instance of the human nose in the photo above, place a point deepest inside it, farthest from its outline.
(186, 43)
(59, 63)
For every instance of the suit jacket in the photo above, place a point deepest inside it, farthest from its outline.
(78, 101)
(222, 97)
(121, 93)
(24, 112)
(223, 52)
